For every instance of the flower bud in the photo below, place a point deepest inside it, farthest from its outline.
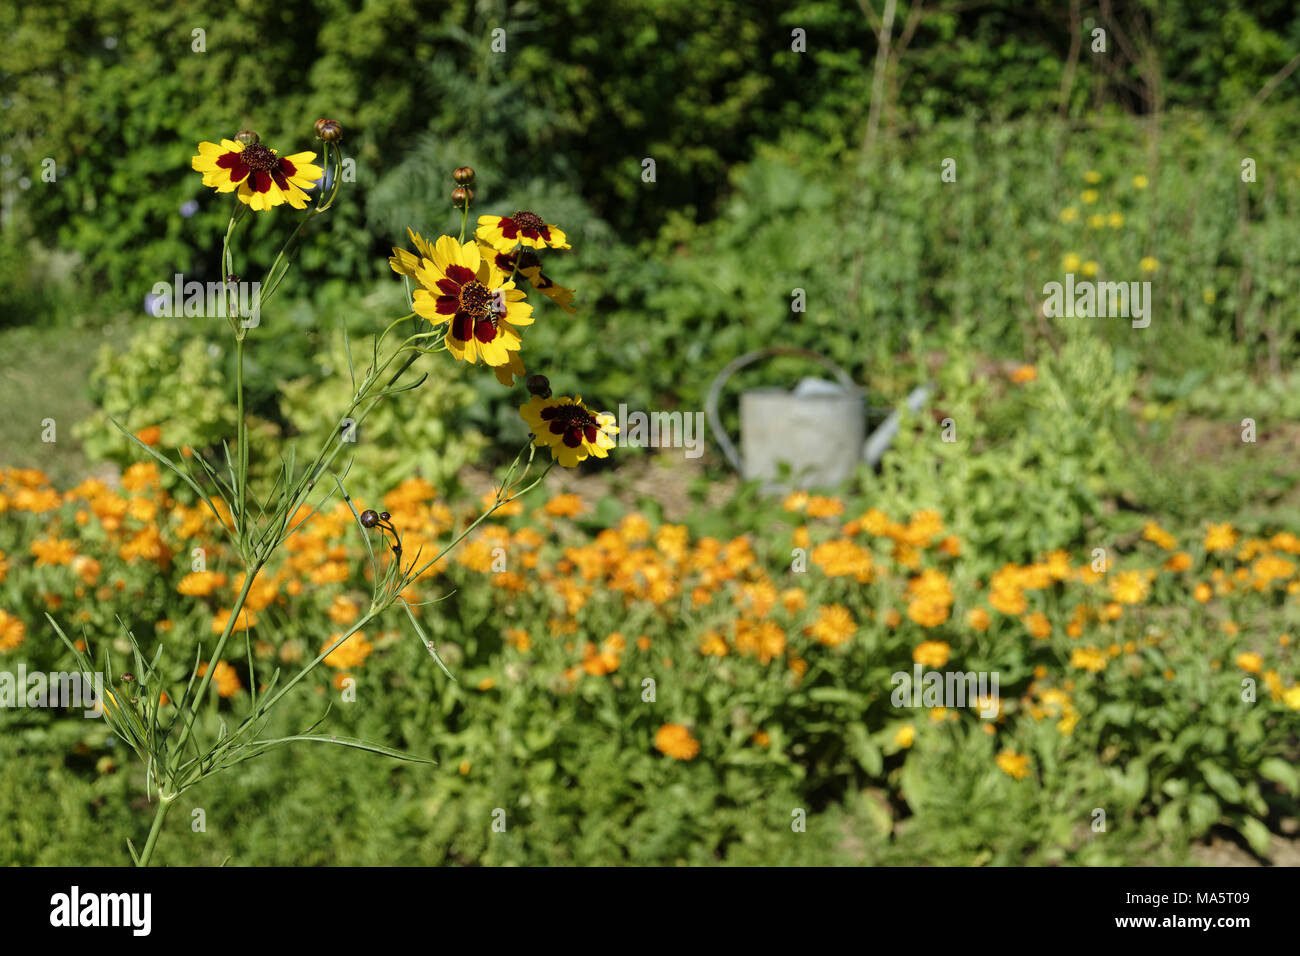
(248, 137)
(369, 518)
(384, 516)
(127, 678)
(462, 196)
(329, 130)
(539, 385)
(464, 175)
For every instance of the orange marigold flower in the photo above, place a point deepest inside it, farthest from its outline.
(225, 677)
(12, 632)
(1038, 625)
(675, 741)
(1024, 375)
(978, 618)
(350, 654)
(1250, 662)
(53, 551)
(931, 653)
(150, 436)
(1013, 764)
(834, 625)
(1220, 537)
(1129, 587)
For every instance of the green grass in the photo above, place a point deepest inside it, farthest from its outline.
(43, 376)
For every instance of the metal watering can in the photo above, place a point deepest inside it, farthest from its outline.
(817, 431)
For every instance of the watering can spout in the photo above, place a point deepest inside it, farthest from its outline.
(815, 433)
(879, 441)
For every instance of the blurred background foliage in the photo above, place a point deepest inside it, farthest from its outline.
(776, 171)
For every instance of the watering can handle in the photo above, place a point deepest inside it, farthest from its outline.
(715, 390)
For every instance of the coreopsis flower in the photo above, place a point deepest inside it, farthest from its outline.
(527, 264)
(481, 306)
(503, 233)
(263, 178)
(569, 428)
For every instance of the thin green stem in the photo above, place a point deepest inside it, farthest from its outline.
(164, 804)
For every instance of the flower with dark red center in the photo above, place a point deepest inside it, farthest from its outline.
(264, 178)
(503, 233)
(525, 262)
(481, 306)
(569, 428)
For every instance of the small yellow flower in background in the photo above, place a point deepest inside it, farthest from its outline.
(1291, 697)
(712, 644)
(1088, 659)
(1149, 264)
(1179, 561)
(1159, 536)
(1250, 662)
(150, 436)
(761, 738)
(224, 676)
(1202, 592)
(931, 653)
(1038, 625)
(675, 741)
(463, 768)
(53, 551)
(1140, 181)
(978, 618)
(795, 502)
(564, 506)
(1129, 587)
(1115, 219)
(571, 430)
(487, 683)
(1070, 261)
(821, 506)
(1208, 296)
(834, 626)
(1089, 196)
(1069, 214)
(1089, 268)
(1024, 374)
(200, 583)
(12, 632)
(938, 714)
(503, 233)
(905, 736)
(351, 653)
(1013, 764)
(1220, 537)
(263, 178)
(1092, 177)
(1096, 221)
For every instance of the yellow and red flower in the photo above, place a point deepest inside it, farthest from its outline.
(526, 262)
(264, 178)
(503, 233)
(481, 307)
(569, 428)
